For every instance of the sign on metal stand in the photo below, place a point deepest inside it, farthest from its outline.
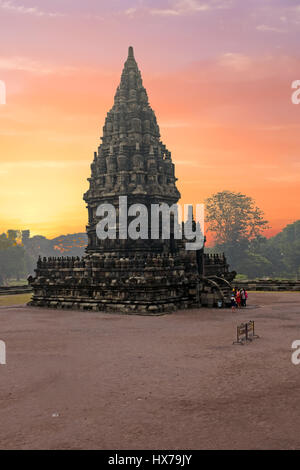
(245, 332)
(241, 334)
(250, 331)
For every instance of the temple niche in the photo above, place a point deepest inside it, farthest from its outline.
(125, 275)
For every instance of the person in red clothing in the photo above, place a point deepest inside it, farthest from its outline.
(246, 296)
(238, 299)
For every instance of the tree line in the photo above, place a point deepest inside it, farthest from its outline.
(236, 223)
(19, 252)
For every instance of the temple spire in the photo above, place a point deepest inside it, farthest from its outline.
(130, 52)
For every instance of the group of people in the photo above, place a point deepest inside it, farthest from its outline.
(238, 298)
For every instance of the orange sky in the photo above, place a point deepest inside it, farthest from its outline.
(222, 99)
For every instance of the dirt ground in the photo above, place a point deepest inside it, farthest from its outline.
(82, 380)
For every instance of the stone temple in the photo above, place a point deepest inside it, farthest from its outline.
(124, 275)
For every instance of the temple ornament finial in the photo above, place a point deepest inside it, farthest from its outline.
(130, 52)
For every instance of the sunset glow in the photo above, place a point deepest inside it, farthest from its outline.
(218, 75)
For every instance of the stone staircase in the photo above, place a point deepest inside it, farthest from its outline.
(214, 289)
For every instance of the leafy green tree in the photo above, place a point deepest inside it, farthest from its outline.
(12, 257)
(284, 251)
(233, 217)
(6, 242)
(236, 222)
(255, 265)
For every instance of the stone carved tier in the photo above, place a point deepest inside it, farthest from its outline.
(149, 284)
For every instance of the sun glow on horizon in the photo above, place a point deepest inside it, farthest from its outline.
(224, 112)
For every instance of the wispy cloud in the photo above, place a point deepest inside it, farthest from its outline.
(181, 7)
(174, 124)
(12, 7)
(235, 60)
(191, 163)
(26, 64)
(289, 178)
(130, 12)
(267, 28)
(41, 164)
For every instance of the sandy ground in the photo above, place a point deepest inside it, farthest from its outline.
(81, 380)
